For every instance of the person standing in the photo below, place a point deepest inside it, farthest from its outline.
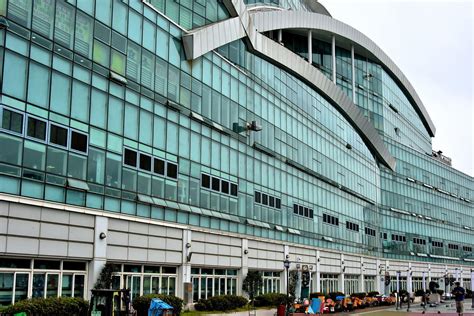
(459, 294)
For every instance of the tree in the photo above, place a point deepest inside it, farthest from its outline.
(105, 278)
(252, 284)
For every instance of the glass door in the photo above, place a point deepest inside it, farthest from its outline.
(21, 286)
(133, 283)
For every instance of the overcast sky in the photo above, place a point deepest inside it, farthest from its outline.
(431, 41)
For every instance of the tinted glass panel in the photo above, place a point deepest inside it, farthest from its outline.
(36, 128)
(301, 210)
(278, 203)
(225, 187)
(233, 189)
(257, 197)
(46, 264)
(172, 170)
(130, 158)
(295, 208)
(271, 201)
(78, 141)
(264, 199)
(58, 135)
(205, 181)
(145, 162)
(72, 265)
(12, 121)
(159, 166)
(215, 184)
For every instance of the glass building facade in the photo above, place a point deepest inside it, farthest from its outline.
(100, 110)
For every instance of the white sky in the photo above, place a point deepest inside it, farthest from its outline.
(431, 41)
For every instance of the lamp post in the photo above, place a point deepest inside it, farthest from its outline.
(287, 267)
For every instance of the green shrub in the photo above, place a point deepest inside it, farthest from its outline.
(373, 294)
(270, 299)
(50, 306)
(419, 293)
(142, 303)
(221, 303)
(468, 293)
(361, 295)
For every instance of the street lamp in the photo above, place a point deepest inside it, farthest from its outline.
(287, 263)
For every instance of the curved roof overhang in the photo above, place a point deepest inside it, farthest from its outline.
(276, 20)
(205, 39)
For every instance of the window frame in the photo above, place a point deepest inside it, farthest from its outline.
(86, 153)
(68, 136)
(23, 121)
(45, 141)
(136, 158)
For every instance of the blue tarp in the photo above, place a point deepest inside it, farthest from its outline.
(157, 307)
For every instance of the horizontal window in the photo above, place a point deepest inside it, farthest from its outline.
(330, 219)
(453, 246)
(370, 231)
(145, 162)
(419, 241)
(218, 184)
(267, 200)
(383, 235)
(400, 238)
(437, 244)
(352, 226)
(467, 248)
(303, 211)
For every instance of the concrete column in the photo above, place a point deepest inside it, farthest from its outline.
(99, 260)
(184, 286)
(244, 268)
(333, 59)
(310, 47)
(362, 274)
(409, 278)
(280, 36)
(429, 275)
(353, 74)
(284, 278)
(318, 271)
(341, 276)
(378, 277)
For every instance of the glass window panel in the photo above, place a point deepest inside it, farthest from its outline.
(96, 166)
(83, 40)
(77, 166)
(14, 153)
(57, 161)
(12, 121)
(129, 179)
(161, 81)
(162, 43)
(98, 108)
(103, 10)
(64, 24)
(117, 63)
(38, 85)
(14, 75)
(80, 101)
(113, 170)
(171, 170)
(145, 162)
(58, 135)
(79, 141)
(36, 128)
(149, 31)
(6, 288)
(133, 61)
(172, 137)
(130, 157)
(38, 285)
(101, 53)
(148, 68)
(135, 26)
(52, 285)
(119, 21)
(60, 93)
(20, 12)
(66, 287)
(146, 125)
(131, 122)
(159, 166)
(21, 286)
(115, 117)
